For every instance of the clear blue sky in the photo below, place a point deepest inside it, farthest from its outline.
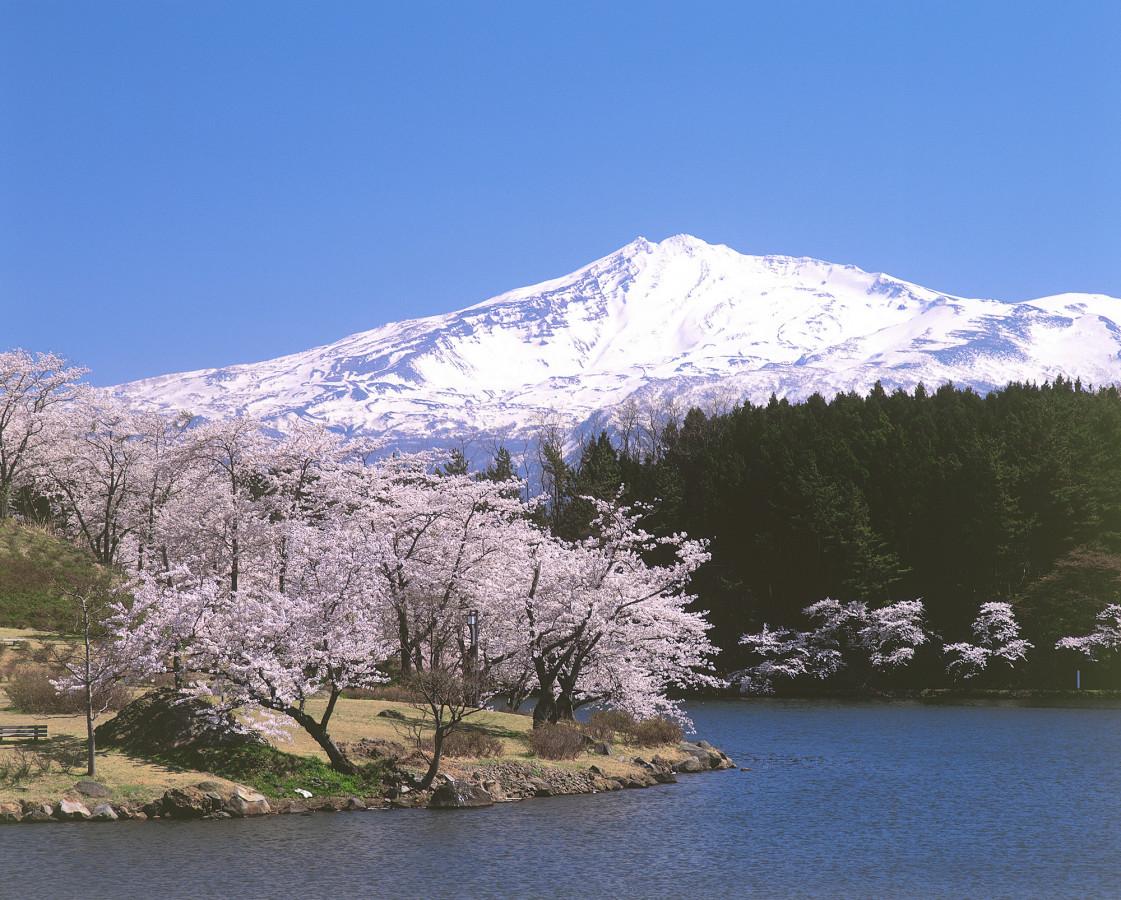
(192, 184)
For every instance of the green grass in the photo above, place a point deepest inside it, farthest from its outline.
(32, 562)
(277, 774)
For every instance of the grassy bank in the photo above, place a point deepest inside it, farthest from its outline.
(277, 770)
(32, 564)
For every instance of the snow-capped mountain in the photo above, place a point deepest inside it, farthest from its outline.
(680, 318)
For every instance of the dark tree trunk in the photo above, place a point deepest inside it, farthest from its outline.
(339, 760)
(406, 645)
(563, 709)
(91, 744)
(545, 708)
(434, 766)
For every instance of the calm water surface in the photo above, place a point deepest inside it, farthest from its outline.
(842, 799)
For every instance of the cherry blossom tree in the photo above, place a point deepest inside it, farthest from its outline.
(885, 637)
(164, 472)
(97, 667)
(231, 525)
(259, 647)
(786, 654)
(31, 386)
(90, 469)
(1105, 639)
(997, 636)
(301, 482)
(442, 535)
(603, 624)
(282, 571)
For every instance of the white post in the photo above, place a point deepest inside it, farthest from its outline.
(1078, 679)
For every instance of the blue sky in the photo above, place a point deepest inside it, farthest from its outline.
(192, 184)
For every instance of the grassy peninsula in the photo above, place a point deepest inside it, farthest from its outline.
(283, 769)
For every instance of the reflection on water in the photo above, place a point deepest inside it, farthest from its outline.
(842, 799)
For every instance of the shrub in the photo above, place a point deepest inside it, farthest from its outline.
(468, 742)
(19, 766)
(31, 691)
(15, 768)
(604, 723)
(556, 741)
(656, 731)
(472, 742)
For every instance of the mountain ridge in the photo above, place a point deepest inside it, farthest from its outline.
(678, 318)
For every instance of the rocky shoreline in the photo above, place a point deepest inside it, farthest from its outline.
(501, 782)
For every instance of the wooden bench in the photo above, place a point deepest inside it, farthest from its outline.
(23, 732)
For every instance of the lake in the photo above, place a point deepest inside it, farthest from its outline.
(853, 799)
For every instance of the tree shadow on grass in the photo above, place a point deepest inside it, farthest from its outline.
(62, 755)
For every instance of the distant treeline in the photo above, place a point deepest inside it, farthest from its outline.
(951, 496)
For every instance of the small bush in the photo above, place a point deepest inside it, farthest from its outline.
(31, 691)
(556, 741)
(19, 766)
(656, 731)
(466, 742)
(604, 723)
(472, 742)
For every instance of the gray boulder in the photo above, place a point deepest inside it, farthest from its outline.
(460, 795)
(38, 812)
(95, 789)
(663, 771)
(705, 755)
(186, 803)
(244, 802)
(103, 812)
(213, 799)
(71, 811)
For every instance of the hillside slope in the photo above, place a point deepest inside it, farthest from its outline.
(32, 562)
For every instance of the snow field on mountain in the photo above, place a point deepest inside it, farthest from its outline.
(679, 318)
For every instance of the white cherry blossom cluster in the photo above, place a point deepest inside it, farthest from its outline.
(886, 637)
(997, 639)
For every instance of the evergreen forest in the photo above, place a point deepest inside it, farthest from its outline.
(949, 495)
